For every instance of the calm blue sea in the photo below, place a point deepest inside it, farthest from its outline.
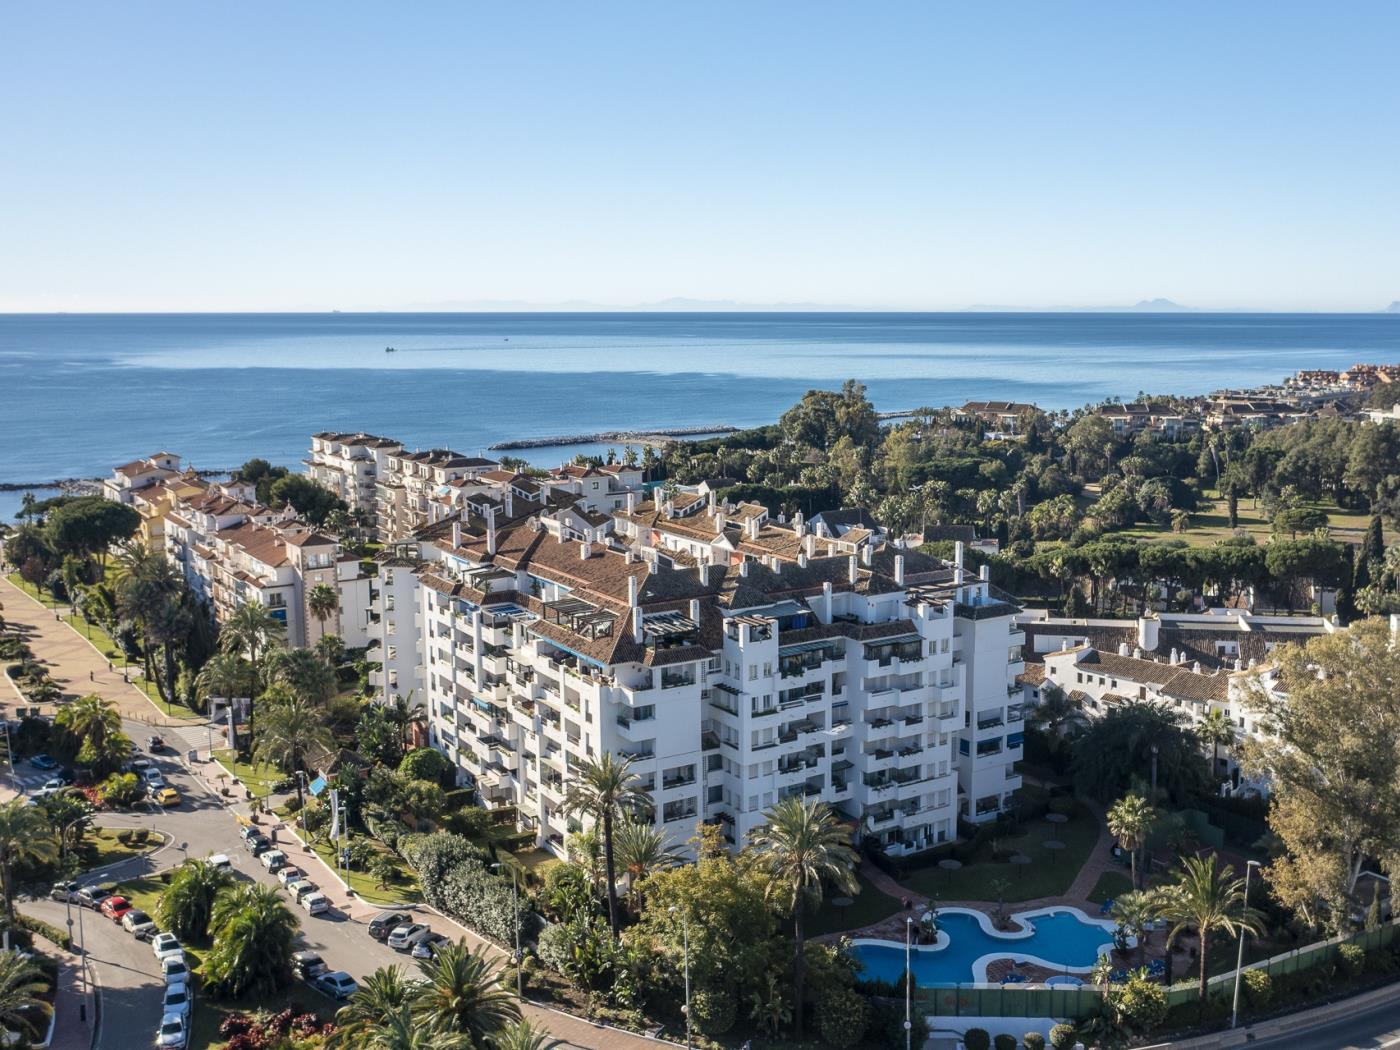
(80, 392)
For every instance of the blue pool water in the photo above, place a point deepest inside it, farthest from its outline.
(1061, 939)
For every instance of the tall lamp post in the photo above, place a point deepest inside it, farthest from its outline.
(515, 903)
(908, 981)
(1239, 957)
(685, 943)
(82, 941)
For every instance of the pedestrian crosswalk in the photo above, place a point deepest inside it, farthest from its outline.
(28, 780)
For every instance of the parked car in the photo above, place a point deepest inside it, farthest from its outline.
(177, 1000)
(308, 965)
(93, 896)
(247, 831)
(115, 907)
(386, 923)
(219, 860)
(289, 873)
(428, 947)
(173, 1033)
(45, 762)
(257, 844)
(59, 782)
(139, 924)
(409, 934)
(165, 944)
(167, 796)
(155, 744)
(337, 984)
(301, 888)
(139, 766)
(273, 860)
(45, 792)
(175, 969)
(316, 903)
(64, 893)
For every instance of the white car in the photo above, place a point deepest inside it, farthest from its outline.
(219, 860)
(165, 944)
(301, 888)
(177, 1001)
(173, 1033)
(337, 984)
(151, 775)
(139, 924)
(406, 936)
(175, 970)
(288, 874)
(273, 860)
(316, 903)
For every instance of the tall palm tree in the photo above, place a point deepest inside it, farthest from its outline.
(96, 727)
(21, 984)
(226, 675)
(405, 714)
(381, 993)
(604, 789)
(322, 602)
(168, 627)
(302, 671)
(330, 648)
(463, 994)
(804, 847)
(25, 834)
(187, 905)
(1216, 729)
(402, 1029)
(290, 727)
(641, 849)
(522, 1035)
(252, 931)
(146, 585)
(1135, 912)
(1130, 819)
(1205, 899)
(251, 630)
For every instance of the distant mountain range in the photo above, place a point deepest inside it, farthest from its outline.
(1393, 308)
(681, 304)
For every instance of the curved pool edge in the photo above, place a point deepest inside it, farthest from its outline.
(980, 964)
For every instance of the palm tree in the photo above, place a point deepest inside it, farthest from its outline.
(96, 727)
(641, 849)
(289, 728)
(322, 602)
(21, 984)
(168, 626)
(1130, 819)
(25, 834)
(803, 846)
(1135, 912)
(522, 1035)
(302, 671)
(463, 994)
(604, 789)
(251, 630)
(401, 1029)
(187, 905)
(405, 714)
(1206, 898)
(146, 585)
(381, 993)
(224, 674)
(1216, 729)
(330, 648)
(252, 932)
(71, 814)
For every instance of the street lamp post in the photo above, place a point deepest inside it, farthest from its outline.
(1153, 800)
(515, 903)
(685, 945)
(908, 981)
(1239, 957)
(82, 941)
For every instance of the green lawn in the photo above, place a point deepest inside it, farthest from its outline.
(1111, 885)
(1211, 523)
(1049, 873)
(871, 905)
(110, 851)
(143, 892)
(404, 889)
(258, 779)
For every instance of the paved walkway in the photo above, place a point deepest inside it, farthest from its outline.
(70, 1032)
(76, 666)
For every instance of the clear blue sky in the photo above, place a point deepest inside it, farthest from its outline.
(371, 155)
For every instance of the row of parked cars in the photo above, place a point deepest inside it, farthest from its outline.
(400, 932)
(300, 888)
(178, 998)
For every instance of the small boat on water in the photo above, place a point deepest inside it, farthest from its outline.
(390, 350)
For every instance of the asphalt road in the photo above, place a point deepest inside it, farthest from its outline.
(1374, 1029)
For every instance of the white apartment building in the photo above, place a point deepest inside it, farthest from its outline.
(409, 483)
(139, 474)
(350, 465)
(601, 489)
(858, 679)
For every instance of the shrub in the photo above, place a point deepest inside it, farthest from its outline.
(1063, 1037)
(1258, 987)
(554, 947)
(1352, 959)
(1004, 1042)
(44, 929)
(841, 1017)
(1140, 1004)
(1033, 1041)
(1062, 804)
(119, 790)
(712, 1011)
(140, 835)
(124, 836)
(977, 1039)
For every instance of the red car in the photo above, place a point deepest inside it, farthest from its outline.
(115, 907)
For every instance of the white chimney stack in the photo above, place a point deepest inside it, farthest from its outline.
(777, 565)
(744, 567)
(490, 530)
(958, 562)
(704, 570)
(695, 609)
(799, 524)
(585, 551)
(802, 560)
(637, 625)
(1122, 648)
(899, 570)
(631, 503)
(984, 573)
(510, 504)
(632, 592)
(809, 545)
(456, 534)
(866, 555)
(853, 570)
(1147, 632)
(826, 602)
(711, 501)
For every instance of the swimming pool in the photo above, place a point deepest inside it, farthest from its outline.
(1061, 938)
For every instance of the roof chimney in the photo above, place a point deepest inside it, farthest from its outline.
(744, 567)
(637, 624)
(456, 534)
(866, 555)
(1148, 628)
(629, 556)
(899, 570)
(1173, 658)
(720, 522)
(984, 573)
(751, 526)
(852, 571)
(695, 609)
(632, 592)
(1196, 666)
(809, 545)
(1137, 653)
(802, 559)
(799, 524)
(631, 503)
(668, 508)
(958, 562)
(585, 551)
(704, 571)
(710, 502)
(826, 602)
(490, 530)
(777, 564)
(1122, 648)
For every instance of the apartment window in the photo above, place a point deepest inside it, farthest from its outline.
(681, 809)
(678, 776)
(767, 670)
(753, 673)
